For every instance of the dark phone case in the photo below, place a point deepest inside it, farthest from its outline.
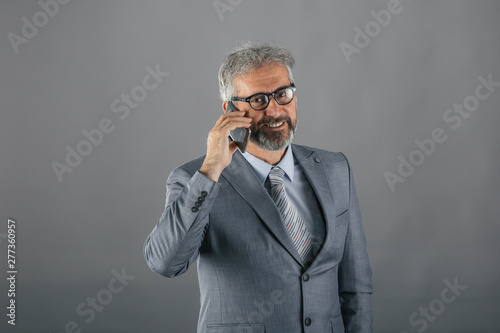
(238, 135)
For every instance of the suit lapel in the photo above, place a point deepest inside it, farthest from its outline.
(240, 175)
(313, 168)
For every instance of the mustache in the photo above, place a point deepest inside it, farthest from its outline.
(273, 121)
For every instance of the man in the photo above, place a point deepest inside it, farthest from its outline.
(277, 230)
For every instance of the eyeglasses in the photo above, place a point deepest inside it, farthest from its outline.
(260, 101)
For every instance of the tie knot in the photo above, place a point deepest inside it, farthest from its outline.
(276, 176)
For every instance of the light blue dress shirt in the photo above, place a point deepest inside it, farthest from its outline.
(299, 191)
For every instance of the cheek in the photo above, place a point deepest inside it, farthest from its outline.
(292, 113)
(255, 117)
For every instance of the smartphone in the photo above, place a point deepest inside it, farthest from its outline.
(239, 135)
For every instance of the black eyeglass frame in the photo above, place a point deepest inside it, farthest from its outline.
(273, 94)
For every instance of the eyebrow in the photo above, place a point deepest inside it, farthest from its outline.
(279, 88)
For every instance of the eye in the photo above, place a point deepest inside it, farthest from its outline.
(259, 99)
(281, 94)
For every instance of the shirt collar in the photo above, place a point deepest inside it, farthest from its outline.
(262, 168)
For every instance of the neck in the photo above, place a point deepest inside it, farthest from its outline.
(268, 156)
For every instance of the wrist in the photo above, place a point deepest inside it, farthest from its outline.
(210, 172)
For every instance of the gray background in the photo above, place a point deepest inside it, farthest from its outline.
(441, 223)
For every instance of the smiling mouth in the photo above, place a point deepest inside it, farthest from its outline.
(275, 125)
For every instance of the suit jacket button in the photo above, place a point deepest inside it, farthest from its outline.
(194, 209)
(204, 193)
(308, 321)
(317, 160)
(305, 278)
(201, 199)
(198, 204)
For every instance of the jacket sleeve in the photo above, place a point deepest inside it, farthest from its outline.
(175, 241)
(355, 275)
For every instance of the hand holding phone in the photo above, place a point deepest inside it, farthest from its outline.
(219, 150)
(239, 135)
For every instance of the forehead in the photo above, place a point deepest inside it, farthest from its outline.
(265, 79)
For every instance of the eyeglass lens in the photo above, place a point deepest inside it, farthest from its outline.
(283, 96)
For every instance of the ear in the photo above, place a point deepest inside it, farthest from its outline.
(224, 106)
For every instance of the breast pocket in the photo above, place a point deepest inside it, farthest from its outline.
(340, 230)
(236, 328)
(342, 217)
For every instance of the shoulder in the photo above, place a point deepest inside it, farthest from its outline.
(329, 157)
(193, 165)
(188, 169)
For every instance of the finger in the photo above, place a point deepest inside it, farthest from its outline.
(226, 117)
(234, 114)
(231, 125)
(235, 120)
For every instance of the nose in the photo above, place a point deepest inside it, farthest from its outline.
(273, 109)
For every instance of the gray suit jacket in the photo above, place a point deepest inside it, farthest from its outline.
(250, 274)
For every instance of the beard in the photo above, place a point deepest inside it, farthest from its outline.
(265, 138)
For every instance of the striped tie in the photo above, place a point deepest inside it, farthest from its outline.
(293, 221)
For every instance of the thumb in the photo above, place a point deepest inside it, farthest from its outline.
(233, 147)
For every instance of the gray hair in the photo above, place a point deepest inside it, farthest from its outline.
(248, 57)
